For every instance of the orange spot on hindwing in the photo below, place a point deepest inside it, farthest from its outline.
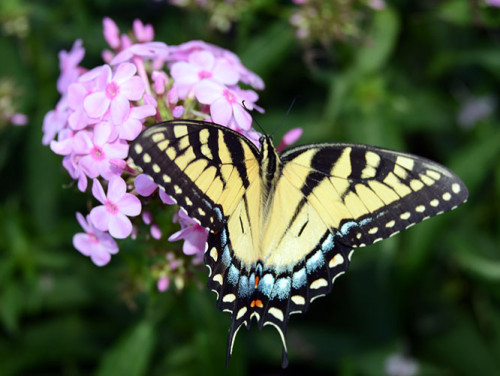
(256, 303)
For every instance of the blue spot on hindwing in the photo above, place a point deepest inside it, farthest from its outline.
(251, 283)
(315, 262)
(347, 226)
(365, 221)
(218, 213)
(243, 288)
(328, 243)
(226, 257)
(223, 238)
(233, 275)
(299, 278)
(281, 288)
(266, 284)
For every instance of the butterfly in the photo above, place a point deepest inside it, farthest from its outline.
(283, 226)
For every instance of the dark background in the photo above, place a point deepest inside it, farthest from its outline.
(419, 76)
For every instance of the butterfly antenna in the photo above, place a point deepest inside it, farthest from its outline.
(287, 112)
(253, 118)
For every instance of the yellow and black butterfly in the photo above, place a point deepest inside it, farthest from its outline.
(282, 227)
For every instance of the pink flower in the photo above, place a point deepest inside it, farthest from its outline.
(65, 142)
(54, 121)
(246, 76)
(143, 33)
(97, 151)
(111, 33)
(132, 126)
(226, 105)
(71, 164)
(150, 50)
(96, 244)
(119, 88)
(178, 112)
(160, 80)
(193, 234)
(202, 65)
(184, 50)
(77, 92)
(163, 284)
(155, 231)
(117, 205)
(18, 119)
(68, 64)
(145, 186)
(290, 137)
(380, 4)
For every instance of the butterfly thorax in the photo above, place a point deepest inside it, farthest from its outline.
(270, 165)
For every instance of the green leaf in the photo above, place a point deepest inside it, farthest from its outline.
(131, 355)
(474, 163)
(462, 348)
(268, 49)
(458, 12)
(383, 34)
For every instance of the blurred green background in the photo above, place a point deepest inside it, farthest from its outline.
(418, 76)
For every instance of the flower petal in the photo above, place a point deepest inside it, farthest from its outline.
(181, 234)
(129, 205)
(165, 198)
(82, 244)
(96, 104)
(195, 242)
(120, 226)
(221, 111)
(224, 72)
(116, 189)
(82, 221)
(123, 72)
(133, 89)
(119, 110)
(144, 185)
(207, 91)
(242, 117)
(98, 191)
(100, 217)
(100, 257)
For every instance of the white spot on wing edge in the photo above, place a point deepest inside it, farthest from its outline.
(277, 313)
(241, 313)
(214, 254)
(218, 278)
(336, 260)
(319, 283)
(229, 298)
(298, 299)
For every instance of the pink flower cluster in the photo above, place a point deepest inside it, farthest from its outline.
(103, 109)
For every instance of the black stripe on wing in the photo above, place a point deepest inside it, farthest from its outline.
(186, 158)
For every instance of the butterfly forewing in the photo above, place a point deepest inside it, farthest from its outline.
(206, 169)
(372, 193)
